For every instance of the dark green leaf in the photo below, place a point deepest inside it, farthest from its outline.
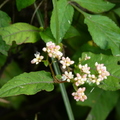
(117, 11)
(5, 20)
(3, 47)
(23, 4)
(20, 33)
(72, 32)
(47, 36)
(101, 103)
(28, 83)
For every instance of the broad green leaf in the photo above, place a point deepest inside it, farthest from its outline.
(47, 36)
(101, 103)
(89, 47)
(96, 6)
(3, 47)
(72, 32)
(112, 64)
(104, 32)
(20, 33)
(23, 4)
(61, 19)
(28, 83)
(5, 20)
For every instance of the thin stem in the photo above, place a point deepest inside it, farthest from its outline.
(64, 93)
(36, 9)
(3, 3)
(56, 68)
(51, 69)
(77, 8)
(46, 13)
(39, 16)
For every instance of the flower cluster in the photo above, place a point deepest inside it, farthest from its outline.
(84, 68)
(83, 76)
(80, 79)
(103, 73)
(53, 50)
(80, 95)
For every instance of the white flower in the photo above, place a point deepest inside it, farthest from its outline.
(79, 80)
(67, 76)
(66, 62)
(37, 58)
(92, 79)
(84, 68)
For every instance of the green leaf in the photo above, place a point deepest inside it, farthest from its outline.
(23, 4)
(96, 6)
(3, 47)
(112, 64)
(117, 11)
(47, 36)
(72, 32)
(20, 33)
(46, 63)
(61, 19)
(28, 83)
(104, 32)
(101, 103)
(5, 20)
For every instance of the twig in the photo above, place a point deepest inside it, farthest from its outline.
(36, 9)
(3, 3)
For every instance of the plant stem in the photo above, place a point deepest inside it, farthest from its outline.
(35, 12)
(3, 3)
(39, 16)
(56, 67)
(77, 8)
(63, 92)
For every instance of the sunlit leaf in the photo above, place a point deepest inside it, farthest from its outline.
(112, 64)
(27, 83)
(61, 19)
(104, 32)
(20, 33)
(96, 6)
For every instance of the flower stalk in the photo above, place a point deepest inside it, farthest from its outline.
(63, 92)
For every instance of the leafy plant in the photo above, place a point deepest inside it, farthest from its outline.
(87, 31)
